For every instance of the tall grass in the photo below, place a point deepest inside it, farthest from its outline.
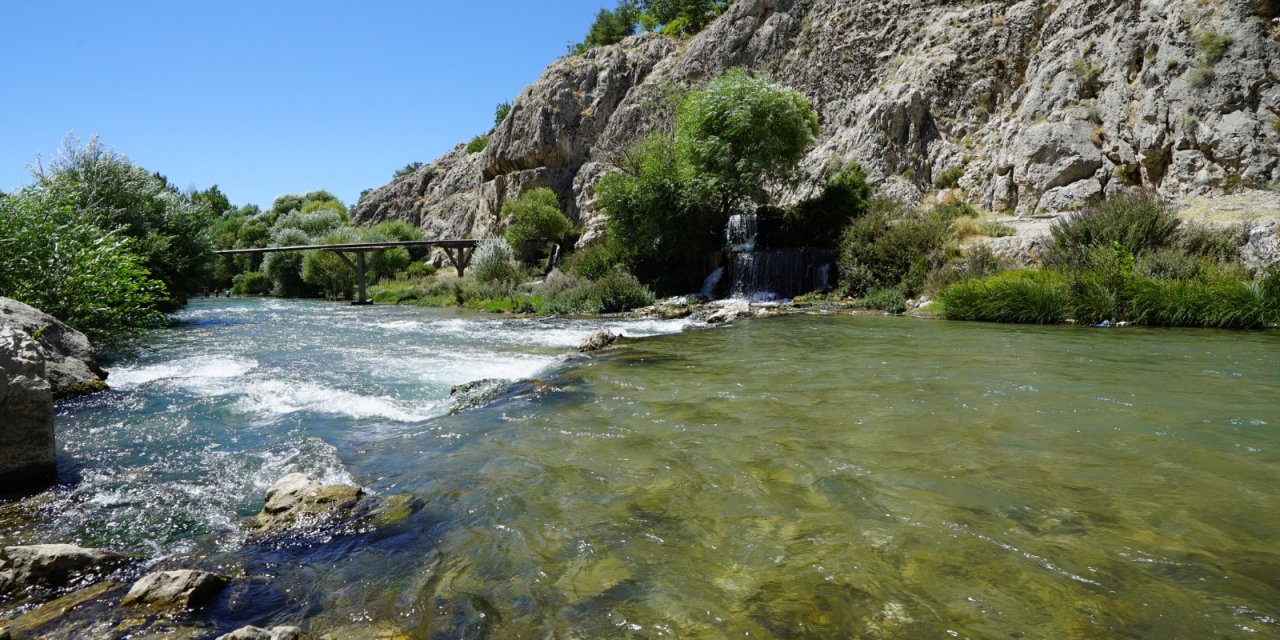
(1027, 295)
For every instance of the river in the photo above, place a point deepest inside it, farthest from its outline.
(796, 477)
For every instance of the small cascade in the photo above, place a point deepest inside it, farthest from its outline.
(711, 283)
(740, 234)
(760, 273)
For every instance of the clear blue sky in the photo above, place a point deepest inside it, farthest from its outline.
(269, 97)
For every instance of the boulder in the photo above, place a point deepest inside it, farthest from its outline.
(258, 633)
(26, 414)
(297, 500)
(477, 393)
(599, 340)
(729, 312)
(50, 565)
(184, 588)
(71, 366)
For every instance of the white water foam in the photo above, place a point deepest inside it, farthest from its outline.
(195, 368)
(282, 397)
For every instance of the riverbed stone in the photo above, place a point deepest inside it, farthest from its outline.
(50, 565)
(258, 633)
(297, 500)
(477, 393)
(182, 588)
(71, 365)
(729, 312)
(27, 456)
(599, 340)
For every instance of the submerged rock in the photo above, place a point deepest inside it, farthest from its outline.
(183, 588)
(599, 340)
(476, 394)
(258, 633)
(71, 367)
(53, 611)
(27, 455)
(50, 565)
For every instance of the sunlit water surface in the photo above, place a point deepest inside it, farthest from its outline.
(800, 477)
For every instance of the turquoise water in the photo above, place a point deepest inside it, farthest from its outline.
(799, 477)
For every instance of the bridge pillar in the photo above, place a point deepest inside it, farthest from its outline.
(361, 267)
(461, 259)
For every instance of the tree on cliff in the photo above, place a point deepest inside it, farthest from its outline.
(672, 197)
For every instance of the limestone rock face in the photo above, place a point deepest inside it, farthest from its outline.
(183, 588)
(1042, 105)
(71, 366)
(49, 565)
(26, 414)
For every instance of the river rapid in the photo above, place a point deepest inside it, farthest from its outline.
(798, 477)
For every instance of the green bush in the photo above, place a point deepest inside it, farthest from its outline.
(533, 220)
(1026, 296)
(478, 144)
(593, 262)
(949, 179)
(1138, 223)
(845, 197)
(55, 260)
(887, 299)
(501, 112)
(878, 252)
(613, 292)
(285, 268)
(420, 270)
(409, 169)
(1213, 46)
(170, 232)
(251, 283)
(619, 291)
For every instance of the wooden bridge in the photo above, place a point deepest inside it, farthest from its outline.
(459, 252)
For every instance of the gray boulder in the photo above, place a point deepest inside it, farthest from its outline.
(599, 340)
(298, 501)
(184, 588)
(26, 414)
(258, 633)
(71, 366)
(50, 565)
(477, 393)
(729, 313)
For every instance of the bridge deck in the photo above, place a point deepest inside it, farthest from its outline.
(357, 246)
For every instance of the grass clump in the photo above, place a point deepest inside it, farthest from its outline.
(478, 144)
(1138, 223)
(1026, 296)
(949, 179)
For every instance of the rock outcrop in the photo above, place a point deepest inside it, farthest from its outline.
(26, 415)
(184, 588)
(70, 364)
(50, 565)
(258, 633)
(599, 340)
(1042, 106)
(297, 500)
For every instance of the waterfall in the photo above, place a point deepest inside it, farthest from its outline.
(761, 273)
(709, 285)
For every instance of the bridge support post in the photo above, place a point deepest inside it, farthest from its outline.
(361, 267)
(461, 259)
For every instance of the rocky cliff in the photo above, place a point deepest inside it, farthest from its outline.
(1041, 105)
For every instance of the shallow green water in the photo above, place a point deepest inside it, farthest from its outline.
(801, 477)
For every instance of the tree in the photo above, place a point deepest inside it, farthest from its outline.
(845, 197)
(54, 259)
(743, 130)
(533, 220)
(212, 199)
(679, 17)
(169, 230)
(408, 169)
(610, 27)
(500, 112)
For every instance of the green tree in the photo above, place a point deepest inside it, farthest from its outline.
(533, 220)
(845, 196)
(742, 130)
(54, 259)
(610, 27)
(169, 230)
(679, 17)
(408, 169)
(500, 112)
(214, 200)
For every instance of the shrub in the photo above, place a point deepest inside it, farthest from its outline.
(845, 197)
(1026, 296)
(970, 227)
(1138, 223)
(492, 263)
(1213, 46)
(1221, 244)
(251, 283)
(420, 270)
(949, 179)
(500, 112)
(285, 268)
(886, 299)
(53, 259)
(409, 169)
(879, 252)
(978, 262)
(620, 291)
(533, 220)
(478, 144)
(593, 262)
